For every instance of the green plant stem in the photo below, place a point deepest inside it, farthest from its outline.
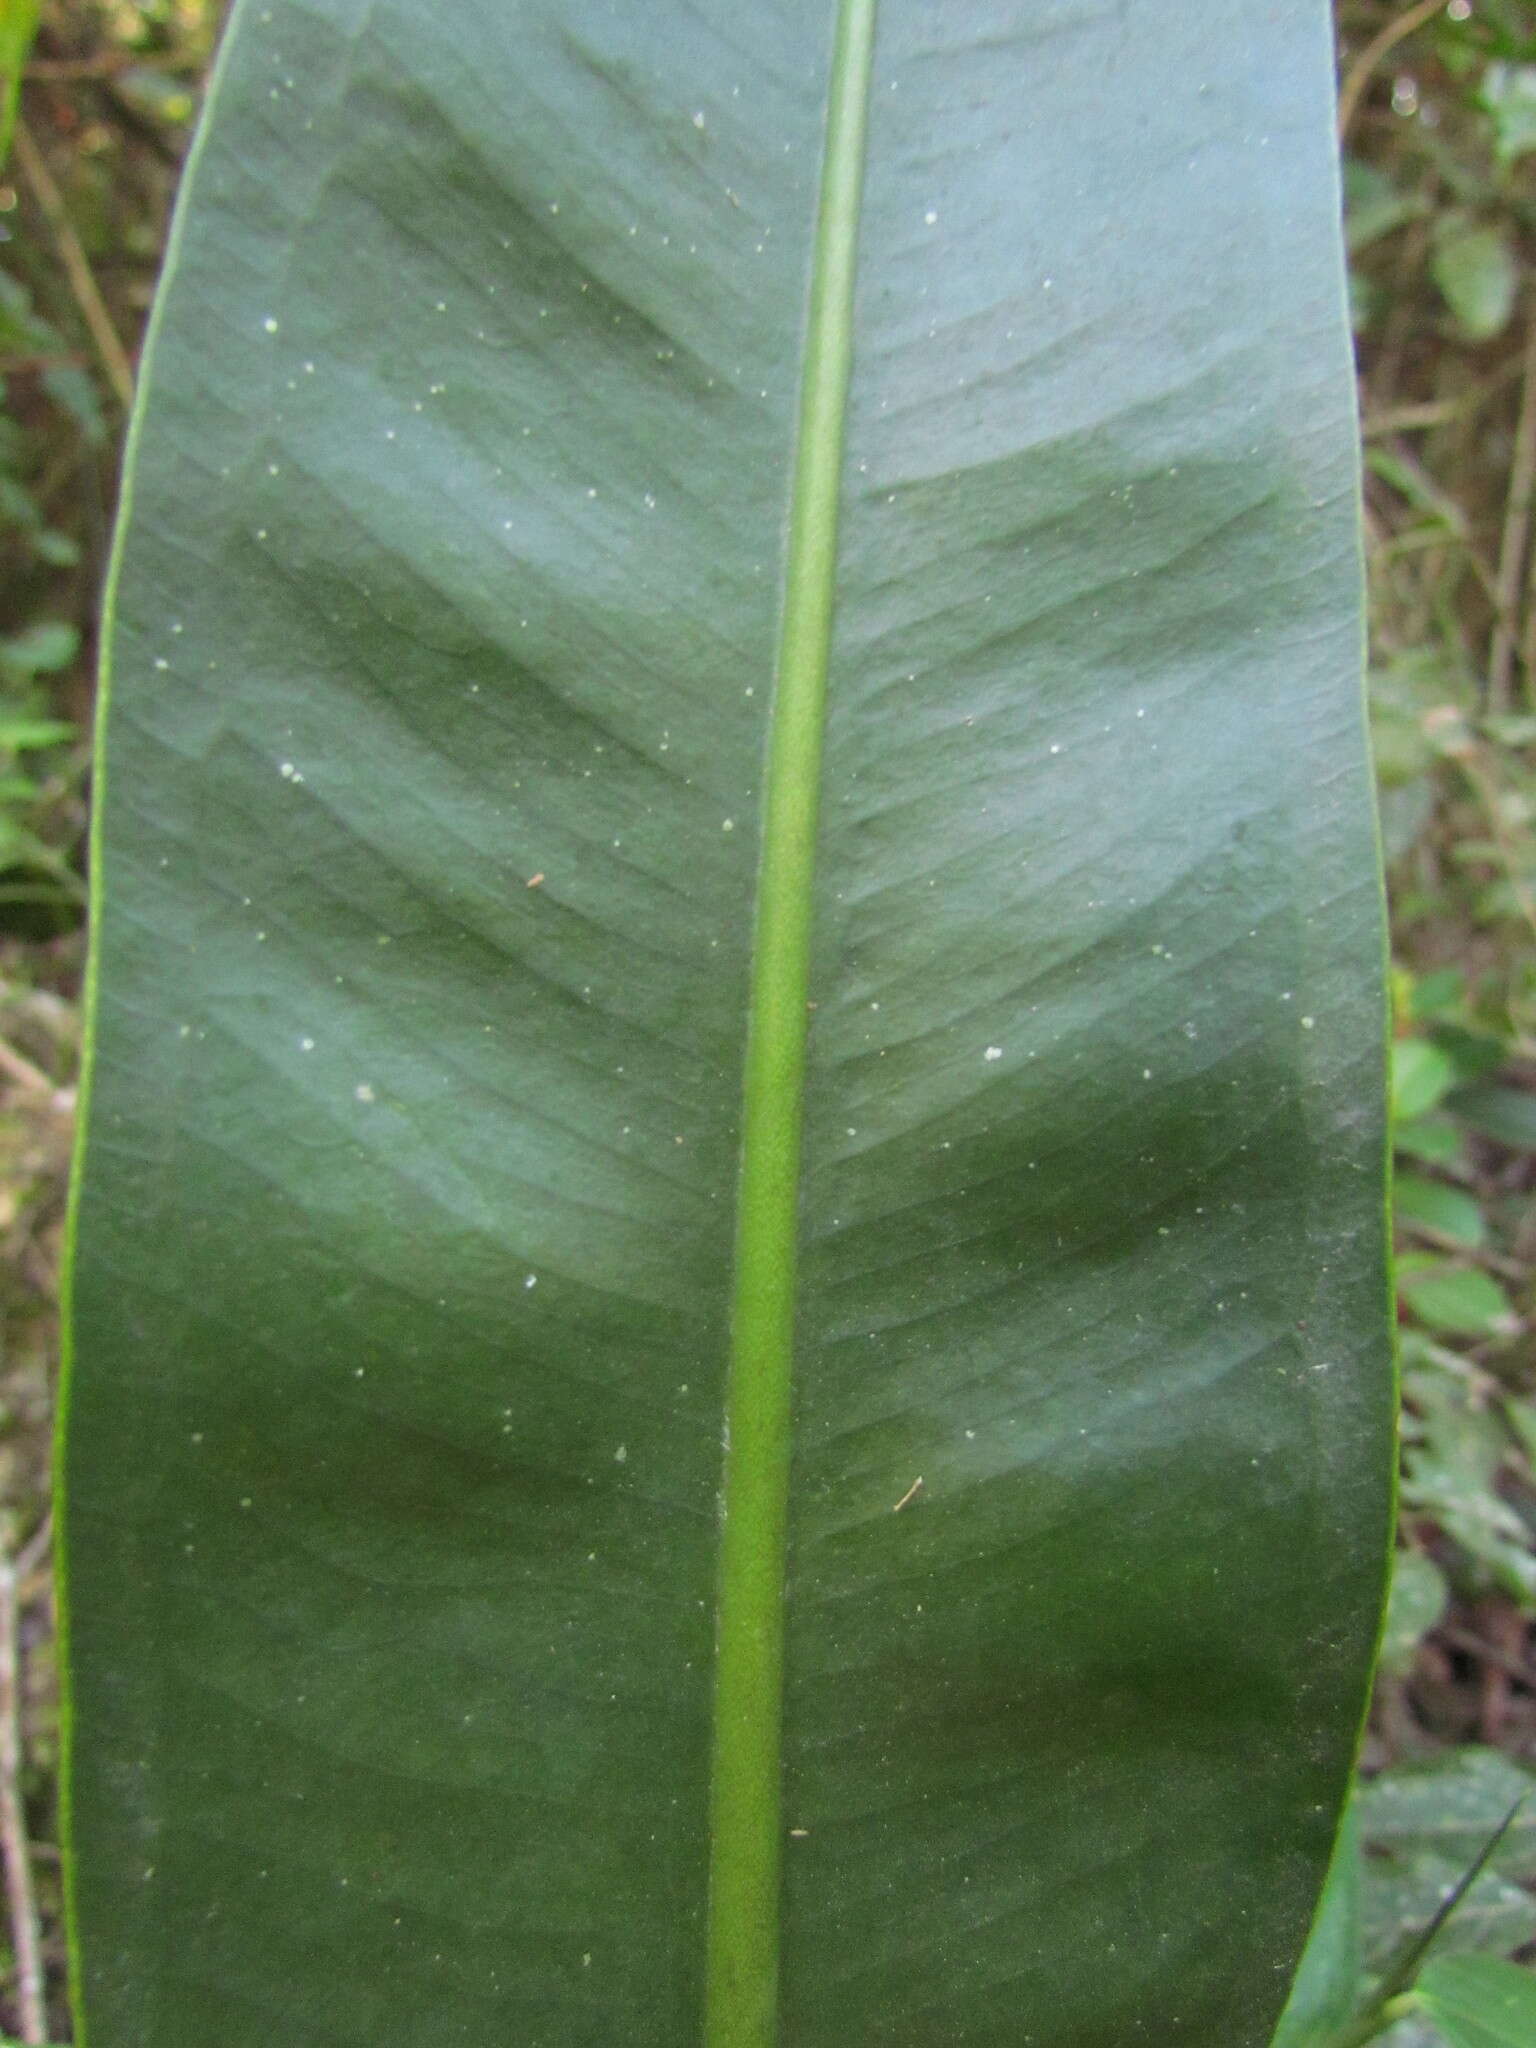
(18, 27)
(745, 1823)
(1374, 2021)
(1393, 1999)
(10, 107)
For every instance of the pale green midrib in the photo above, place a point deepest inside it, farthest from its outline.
(746, 1828)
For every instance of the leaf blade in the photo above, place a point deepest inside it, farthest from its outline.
(1326, 1986)
(535, 1077)
(1479, 2001)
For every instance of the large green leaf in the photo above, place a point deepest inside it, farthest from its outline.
(446, 624)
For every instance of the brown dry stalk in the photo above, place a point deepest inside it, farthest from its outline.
(93, 310)
(1358, 76)
(26, 1932)
(1515, 539)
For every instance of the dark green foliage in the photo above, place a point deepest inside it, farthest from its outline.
(441, 671)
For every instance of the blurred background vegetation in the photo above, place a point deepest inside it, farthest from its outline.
(1438, 116)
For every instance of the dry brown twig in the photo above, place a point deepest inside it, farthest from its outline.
(1359, 74)
(93, 310)
(21, 1898)
(1515, 539)
(108, 64)
(18, 1068)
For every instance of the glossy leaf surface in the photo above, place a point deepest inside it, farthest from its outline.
(443, 666)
